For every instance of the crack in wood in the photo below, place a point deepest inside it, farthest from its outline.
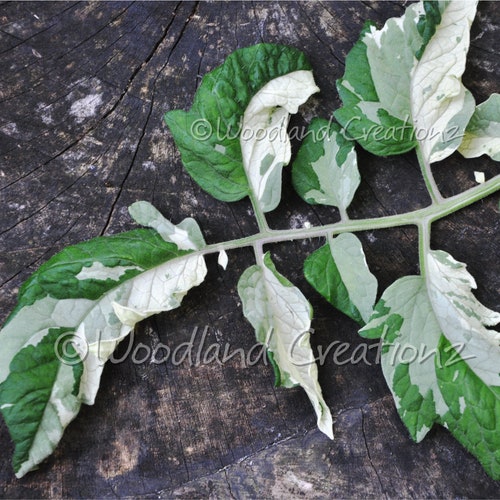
(369, 455)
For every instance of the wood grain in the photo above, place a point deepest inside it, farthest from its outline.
(83, 88)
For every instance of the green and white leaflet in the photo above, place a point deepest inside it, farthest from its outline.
(483, 131)
(395, 101)
(439, 359)
(440, 356)
(281, 317)
(87, 297)
(325, 170)
(227, 101)
(339, 272)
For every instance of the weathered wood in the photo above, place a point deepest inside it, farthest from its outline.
(83, 89)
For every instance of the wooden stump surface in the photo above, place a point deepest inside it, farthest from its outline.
(83, 87)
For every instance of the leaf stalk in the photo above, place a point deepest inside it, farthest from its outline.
(430, 183)
(421, 218)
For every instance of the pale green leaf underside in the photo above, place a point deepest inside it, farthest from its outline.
(264, 141)
(281, 317)
(186, 235)
(391, 57)
(482, 135)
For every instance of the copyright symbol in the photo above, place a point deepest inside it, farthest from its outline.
(70, 349)
(201, 129)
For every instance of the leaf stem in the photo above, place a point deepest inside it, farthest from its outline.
(424, 243)
(430, 183)
(343, 214)
(422, 218)
(259, 214)
(263, 229)
(259, 252)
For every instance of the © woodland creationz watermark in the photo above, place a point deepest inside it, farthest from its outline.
(203, 130)
(198, 351)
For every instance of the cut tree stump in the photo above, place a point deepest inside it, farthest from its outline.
(83, 89)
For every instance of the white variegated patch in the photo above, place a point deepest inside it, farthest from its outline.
(32, 323)
(440, 104)
(463, 319)
(264, 141)
(281, 317)
(98, 271)
(361, 284)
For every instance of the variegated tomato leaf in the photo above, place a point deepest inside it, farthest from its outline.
(439, 359)
(339, 272)
(462, 318)
(410, 333)
(281, 317)
(186, 235)
(401, 90)
(39, 398)
(233, 140)
(325, 170)
(94, 292)
(375, 109)
(402, 85)
(482, 135)
(441, 106)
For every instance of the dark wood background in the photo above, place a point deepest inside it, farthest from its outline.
(83, 90)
